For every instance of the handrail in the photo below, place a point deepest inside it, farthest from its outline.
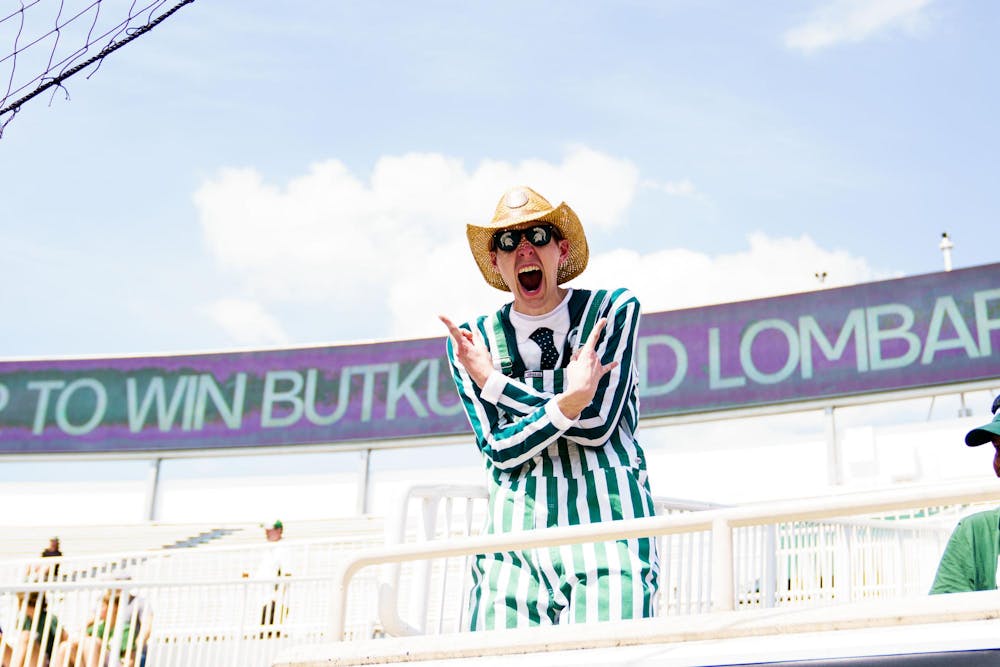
(938, 623)
(123, 584)
(388, 606)
(719, 521)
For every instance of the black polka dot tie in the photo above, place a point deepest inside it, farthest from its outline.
(543, 337)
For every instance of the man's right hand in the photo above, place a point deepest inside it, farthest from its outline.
(470, 351)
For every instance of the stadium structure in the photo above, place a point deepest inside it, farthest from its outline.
(806, 452)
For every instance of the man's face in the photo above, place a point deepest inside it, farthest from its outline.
(273, 534)
(532, 271)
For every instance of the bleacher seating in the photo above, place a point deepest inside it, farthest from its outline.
(79, 540)
(206, 596)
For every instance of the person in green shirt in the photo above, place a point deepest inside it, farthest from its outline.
(969, 562)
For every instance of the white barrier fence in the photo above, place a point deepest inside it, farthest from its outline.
(205, 613)
(206, 606)
(769, 554)
(239, 622)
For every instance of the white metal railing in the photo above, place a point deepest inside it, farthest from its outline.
(225, 623)
(205, 613)
(436, 592)
(755, 555)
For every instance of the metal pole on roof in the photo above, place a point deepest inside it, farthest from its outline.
(364, 478)
(833, 473)
(946, 245)
(152, 489)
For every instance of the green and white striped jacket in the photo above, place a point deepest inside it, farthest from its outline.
(521, 432)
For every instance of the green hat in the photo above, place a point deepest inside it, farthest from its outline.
(985, 433)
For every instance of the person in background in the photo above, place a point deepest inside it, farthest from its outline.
(969, 562)
(40, 631)
(86, 650)
(138, 613)
(52, 551)
(114, 637)
(549, 385)
(274, 563)
(6, 652)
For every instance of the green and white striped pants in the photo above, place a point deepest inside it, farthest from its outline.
(568, 584)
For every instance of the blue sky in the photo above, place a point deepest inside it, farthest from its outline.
(261, 174)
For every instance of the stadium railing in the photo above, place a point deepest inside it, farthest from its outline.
(205, 613)
(875, 545)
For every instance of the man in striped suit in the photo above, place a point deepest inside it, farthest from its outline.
(549, 386)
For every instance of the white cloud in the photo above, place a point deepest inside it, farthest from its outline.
(247, 323)
(328, 237)
(679, 278)
(856, 20)
(392, 252)
(681, 188)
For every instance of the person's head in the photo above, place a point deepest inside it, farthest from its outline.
(104, 605)
(529, 248)
(54, 543)
(31, 601)
(273, 530)
(988, 433)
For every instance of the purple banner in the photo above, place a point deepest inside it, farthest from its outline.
(934, 329)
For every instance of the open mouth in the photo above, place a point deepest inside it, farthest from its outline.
(530, 279)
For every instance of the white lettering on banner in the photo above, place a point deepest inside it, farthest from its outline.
(44, 389)
(397, 390)
(290, 396)
(809, 330)
(4, 396)
(343, 398)
(190, 396)
(746, 347)
(680, 364)
(368, 388)
(156, 393)
(208, 388)
(715, 379)
(945, 306)
(100, 406)
(876, 335)
(433, 391)
(871, 328)
(984, 323)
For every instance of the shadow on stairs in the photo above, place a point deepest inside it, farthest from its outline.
(204, 537)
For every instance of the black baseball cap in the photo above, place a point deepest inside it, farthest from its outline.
(985, 433)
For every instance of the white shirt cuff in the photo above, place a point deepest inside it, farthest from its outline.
(494, 387)
(558, 419)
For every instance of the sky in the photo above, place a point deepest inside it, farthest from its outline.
(261, 174)
(257, 174)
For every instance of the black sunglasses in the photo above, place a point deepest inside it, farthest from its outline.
(507, 240)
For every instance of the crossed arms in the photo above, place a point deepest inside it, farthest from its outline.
(513, 422)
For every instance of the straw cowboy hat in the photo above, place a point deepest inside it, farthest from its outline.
(520, 207)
